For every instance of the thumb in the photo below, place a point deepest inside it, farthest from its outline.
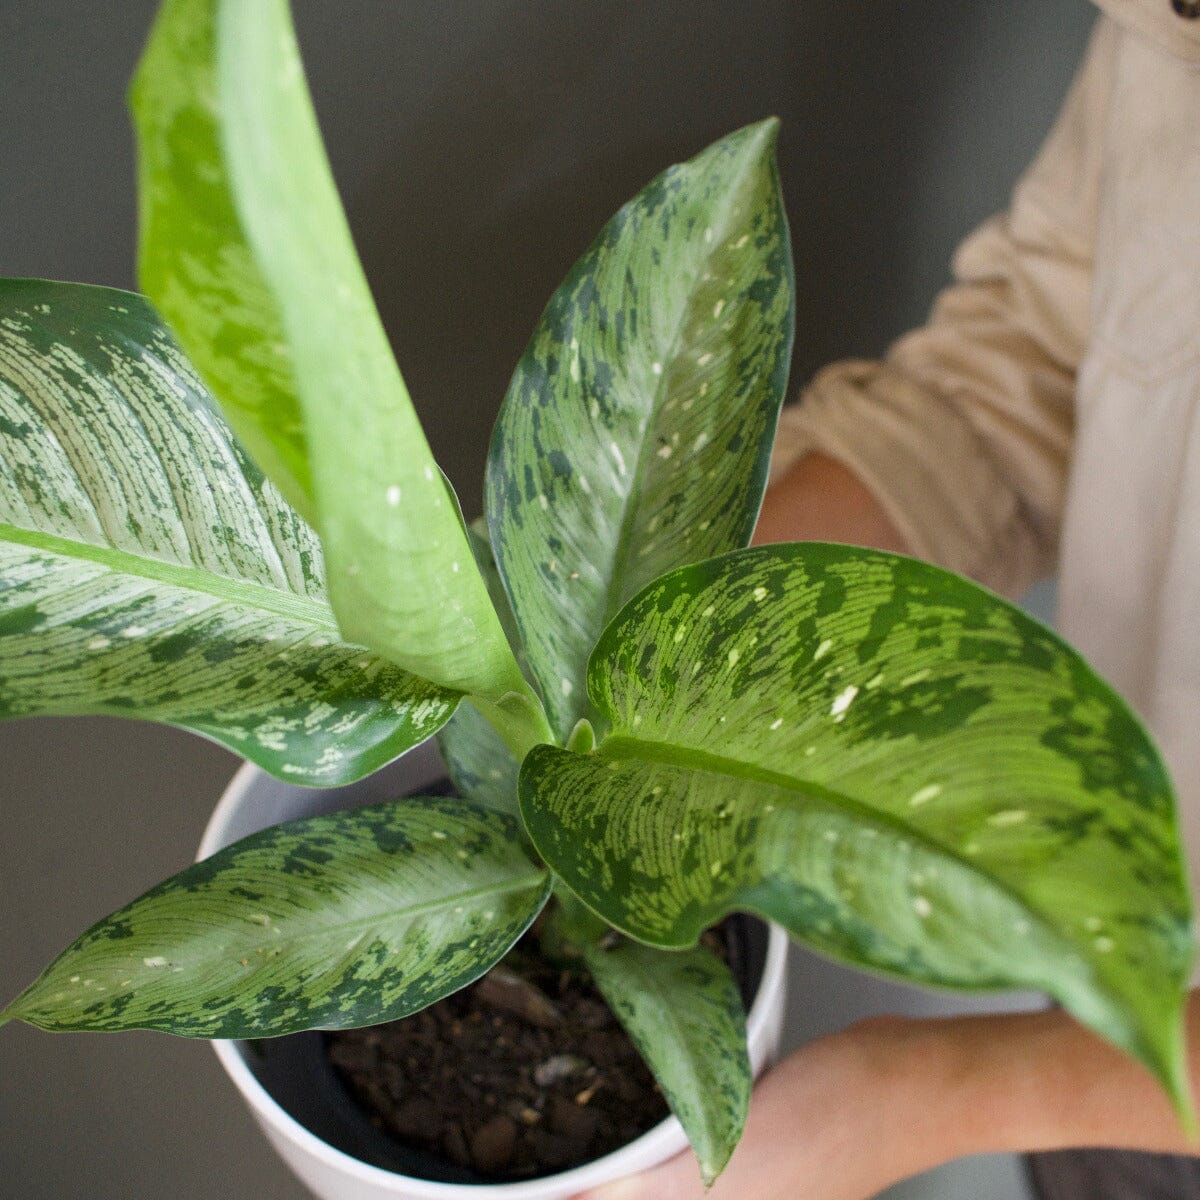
(678, 1179)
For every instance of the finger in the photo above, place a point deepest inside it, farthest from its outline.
(678, 1179)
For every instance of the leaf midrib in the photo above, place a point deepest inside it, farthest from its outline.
(614, 596)
(525, 882)
(239, 592)
(623, 747)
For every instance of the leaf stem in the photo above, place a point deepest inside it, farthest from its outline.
(519, 718)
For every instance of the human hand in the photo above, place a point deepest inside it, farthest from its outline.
(840, 1119)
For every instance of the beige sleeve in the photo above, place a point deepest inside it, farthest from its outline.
(963, 432)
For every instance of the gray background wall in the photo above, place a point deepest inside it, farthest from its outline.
(479, 144)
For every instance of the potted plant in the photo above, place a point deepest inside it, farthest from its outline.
(221, 512)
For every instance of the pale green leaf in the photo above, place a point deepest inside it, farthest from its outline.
(246, 248)
(683, 1011)
(148, 570)
(906, 771)
(329, 922)
(636, 433)
(479, 761)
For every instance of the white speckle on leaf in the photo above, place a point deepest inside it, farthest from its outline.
(718, 308)
(842, 702)
(584, 486)
(704, 359)
(679, 634)
(429, 473)
(1021, 926)
(567, 686)
(921, 906)
(1104, 944)
(708, 612)
(134, 631)
(156, 961)
(99, 643)
(393, 496)
(1093, 924)
(822, 650)
(741, 241)
(454, 567)
(664, 451)
(656, 368)
(777, 723)
(916, 677)
(1010, 816)
(874, 681)
(438, 836)
(733, 656)
(617, 456)
(760, 593)
(543, 501)
(708, 234)
(715, 869)
(925, 794)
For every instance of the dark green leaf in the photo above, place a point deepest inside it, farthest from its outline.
(636, 433)
(246, 250)
(329, 922)
(683, 1011)
(148, 570)
(904, 770)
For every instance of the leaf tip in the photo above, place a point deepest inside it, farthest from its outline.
(764, 134)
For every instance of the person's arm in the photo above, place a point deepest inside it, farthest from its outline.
(820, 500)
(854, 1112)
(962, 432)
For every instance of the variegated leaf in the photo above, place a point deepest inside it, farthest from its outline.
(636, 432)
(904, 770)
(330, 922)
(683, 1011)
(246, 249)
(148, 570)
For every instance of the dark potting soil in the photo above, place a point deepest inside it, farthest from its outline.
(523, 1073)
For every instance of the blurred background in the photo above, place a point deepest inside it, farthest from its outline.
(479, 146)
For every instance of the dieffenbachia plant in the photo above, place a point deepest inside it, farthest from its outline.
(221, 512)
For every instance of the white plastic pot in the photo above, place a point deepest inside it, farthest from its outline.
(254, 801)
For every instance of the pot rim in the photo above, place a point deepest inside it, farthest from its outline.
(655, 1145)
